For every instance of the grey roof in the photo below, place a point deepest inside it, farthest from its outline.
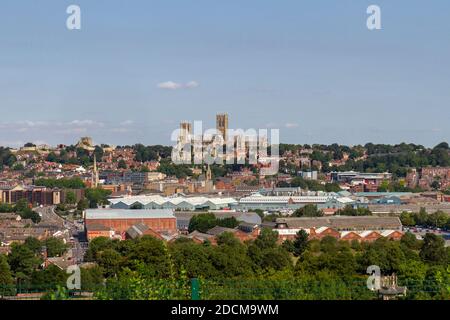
(200, 235)
(93, 214)
(137, 230)
(343, 222)
(219, 230)
(250, 217)
(97, 227)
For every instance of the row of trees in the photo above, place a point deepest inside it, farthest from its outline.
(148, 268)
(311, 185)
(205, 221)
(437, 219)
(397, 159)
(64, 183)
(22, 209)
(23, 267)
(311, 210)
(262, 268)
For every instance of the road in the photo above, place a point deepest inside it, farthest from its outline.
(423, 231)
(75, 236)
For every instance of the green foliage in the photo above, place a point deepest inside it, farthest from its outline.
(64, 183)
(205, 221)
(6, 278)
(97, 196)
(6, 157)
(18, 167)
(202, 222)
(23, 261)
(122, 164)
(49, 278)
(300, 243)
(23, 210)
(55, 247)
(433, 250)
(70, 197)
(151, 153)
(350, 211)
(437, 219)
(309, 210)
(171, 169)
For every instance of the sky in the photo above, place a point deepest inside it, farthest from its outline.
(311, 69)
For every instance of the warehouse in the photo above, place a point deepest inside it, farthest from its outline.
(175, 203)
(101, 222)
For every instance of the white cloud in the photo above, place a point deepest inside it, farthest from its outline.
(127, 123)
(291, 125)
(171, 85)
(192, 84)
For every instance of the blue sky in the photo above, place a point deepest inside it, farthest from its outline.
(310, 68)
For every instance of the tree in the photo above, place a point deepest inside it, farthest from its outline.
(433, 249)
(70, 197)
(64, 183)
(309, 210)
(202, 222)
(410, 241)
(407, 219)
(18, 167)
(122, 164)
(49, 278)
(23, 260)
(350, 211)
(229, 222)
(55, 247)
(110, 261)
(33, 244)
(300, 243)
(83, 204)
(97, 196)
(267, 239)
(6, 278)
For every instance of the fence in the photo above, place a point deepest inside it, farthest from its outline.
(226, 289)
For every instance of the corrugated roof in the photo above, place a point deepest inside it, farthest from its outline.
(343, 222)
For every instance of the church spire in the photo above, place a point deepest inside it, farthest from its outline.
(95, 177)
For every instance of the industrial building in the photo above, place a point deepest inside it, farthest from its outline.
(175, 203)
(112, 222)
(364, 228)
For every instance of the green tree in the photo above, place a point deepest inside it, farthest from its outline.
(33, 244)
(122, 164)
(55, 247)
(300, 243)
(97, 196)
(433, 249)
(309, 210)
(23, 260)
(83, 204)
(70, 198)
(6, 278)
(202, 222)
